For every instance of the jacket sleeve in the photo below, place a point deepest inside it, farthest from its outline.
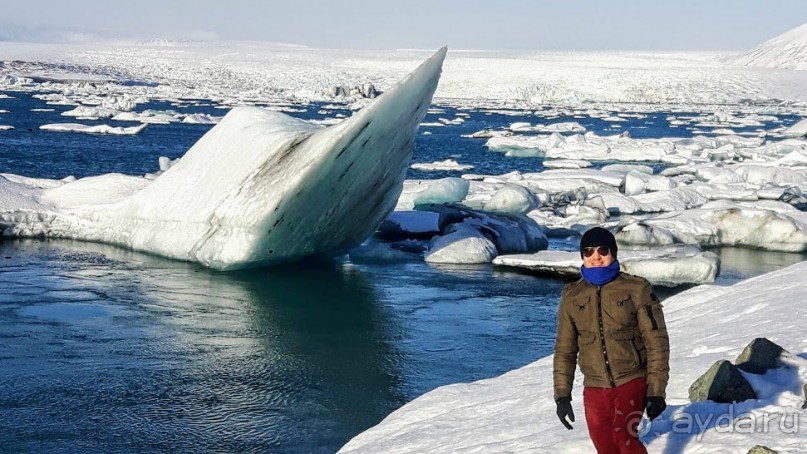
(654, 332)
(565, 360)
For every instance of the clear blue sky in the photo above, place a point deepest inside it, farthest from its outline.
(382, 24)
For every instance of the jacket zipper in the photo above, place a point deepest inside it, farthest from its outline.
(602, 338)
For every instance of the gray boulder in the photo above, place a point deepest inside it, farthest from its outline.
(759, 449)
(759, 356)
(722, 383)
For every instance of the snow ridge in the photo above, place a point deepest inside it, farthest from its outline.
(787, 51)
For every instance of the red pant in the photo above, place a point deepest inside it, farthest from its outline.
(613, 416)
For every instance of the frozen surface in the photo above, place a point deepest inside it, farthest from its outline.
(233, 73)
(664, 266)
(97, 129)
(515, 412)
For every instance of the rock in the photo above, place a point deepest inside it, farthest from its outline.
(804, 405)
(759, 449)
(722, 383)
(759, 356)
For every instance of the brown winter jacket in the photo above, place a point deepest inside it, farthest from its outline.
(616, 332)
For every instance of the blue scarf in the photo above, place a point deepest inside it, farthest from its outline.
(600, 275)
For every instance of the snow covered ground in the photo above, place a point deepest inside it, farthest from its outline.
(233, 73)
(515, 411)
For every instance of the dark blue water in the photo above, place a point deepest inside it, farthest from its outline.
(107, 350)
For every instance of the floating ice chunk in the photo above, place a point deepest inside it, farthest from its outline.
(567, 164)
(422, 192)
(410, 224)
(373, 251)
(90, 112)
(609, 178)
(617, 203)
(538, 144)
(570, 126)
(148, 116)
(6, 127)
(797, 130)
(625, 168)
(669, 267)
(721, 225)
(487, 133)
(639, 183)
(677, 199)
(448, 164)
(520, 127)
(463, 244)
(97, 129)
(201, 119)
(512, 199)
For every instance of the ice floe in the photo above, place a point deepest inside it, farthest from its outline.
(96, 129)
(669, 266)
(448, 164)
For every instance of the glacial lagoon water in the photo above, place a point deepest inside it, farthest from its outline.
(108, 350)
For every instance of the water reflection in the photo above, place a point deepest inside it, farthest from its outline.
(170, 356)
(737, 263)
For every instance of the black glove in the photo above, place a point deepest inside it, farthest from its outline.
(564, 410)
(655, 406)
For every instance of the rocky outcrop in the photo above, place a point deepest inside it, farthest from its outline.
(722, 383)
(759, 356)
(759, 449)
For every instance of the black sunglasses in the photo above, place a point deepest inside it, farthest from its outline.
(602, 250)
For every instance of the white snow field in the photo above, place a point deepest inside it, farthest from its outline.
(237, 73)
(515, 411)
(260, 187)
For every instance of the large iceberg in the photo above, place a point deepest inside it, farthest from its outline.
(259, 188)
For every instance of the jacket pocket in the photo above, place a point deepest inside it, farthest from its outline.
(622, 352)
(588, 353)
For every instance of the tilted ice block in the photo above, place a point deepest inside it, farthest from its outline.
(263, 188)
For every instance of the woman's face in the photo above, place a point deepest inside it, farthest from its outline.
(596, 260)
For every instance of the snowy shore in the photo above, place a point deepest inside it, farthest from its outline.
(515, 412)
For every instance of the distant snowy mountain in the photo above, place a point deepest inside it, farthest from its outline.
(37, 34)
(788, 51)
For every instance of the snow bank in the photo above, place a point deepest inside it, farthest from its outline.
(515, 412)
